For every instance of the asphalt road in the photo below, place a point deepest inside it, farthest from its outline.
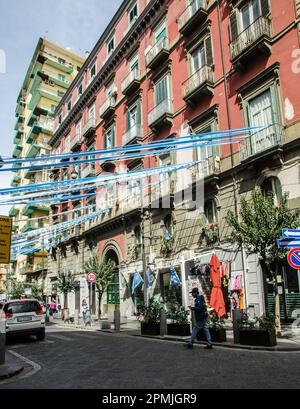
(82, 360)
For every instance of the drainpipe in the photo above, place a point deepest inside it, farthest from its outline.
(231, 147)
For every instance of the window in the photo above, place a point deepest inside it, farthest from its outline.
(110, 45)
(210, 211)
(109, 138)
(53, 108)
(134, 65)
(206, 153)
(59, 119)
(92, 115)
(133, 13)
(160, 32)
(138, 235)
(161, 90)
(272, 185)
(78, 131)
(61, 61)
(198, 59)
(60, 94)
(164, 178)
(69, 105)
(80, 90)
(249, 13)
(61, 77)
(92, 71)
(133, 116)
(67, 143)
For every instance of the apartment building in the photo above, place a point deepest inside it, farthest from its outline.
(51, 71)
(166, 69)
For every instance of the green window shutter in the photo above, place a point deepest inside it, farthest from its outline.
(113, 142)
(127, 120)
(138, 113)
(209, 52)
(135, 65)
(161, 34)
(275, 116)
(105, 140)
(233, 23)
(265, 7)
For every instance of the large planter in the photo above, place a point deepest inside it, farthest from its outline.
(217, 335)
(182, 330)
(150, 329)
(257, 337)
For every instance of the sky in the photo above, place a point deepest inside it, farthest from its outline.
(76, 24)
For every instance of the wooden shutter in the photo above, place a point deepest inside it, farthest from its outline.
(113, 137)
(127, 119)
(105, 140)
(209, 51)
(265, 7)
(234, 27)
(138, 113)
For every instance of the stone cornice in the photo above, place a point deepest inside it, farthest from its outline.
(124, 48)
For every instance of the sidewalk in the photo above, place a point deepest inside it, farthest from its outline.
(11, 367)
(289, 342)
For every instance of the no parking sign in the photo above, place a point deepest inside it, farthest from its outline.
(294, 258)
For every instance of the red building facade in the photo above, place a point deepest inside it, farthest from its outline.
(168, 68)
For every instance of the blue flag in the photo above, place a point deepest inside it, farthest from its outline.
(175, 280)
(137, 280)
(150, 277)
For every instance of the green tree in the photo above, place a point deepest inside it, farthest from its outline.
(16, 288)
(66, 283)
(258, 227)
(104, 272)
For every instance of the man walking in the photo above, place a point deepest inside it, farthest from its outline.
(84, 307)
(200, 312)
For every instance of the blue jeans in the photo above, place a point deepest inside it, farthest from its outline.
(84, 316)
(201, 324)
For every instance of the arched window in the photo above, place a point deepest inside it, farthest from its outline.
(168, 227)
(210, 211)
(272, 185)
(137, 235)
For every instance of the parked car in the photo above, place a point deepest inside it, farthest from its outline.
(24, 317)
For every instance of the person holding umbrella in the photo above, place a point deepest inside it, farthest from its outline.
(201, 314)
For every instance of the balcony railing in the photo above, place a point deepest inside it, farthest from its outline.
(261, 27)
(263, 140)
(135, 132)
(108, 107)
(194, 10)
(132, 79)
(162, 109)
(88, 126)
(75, 142)
(209, 166)
(197, 80)
(161, 47)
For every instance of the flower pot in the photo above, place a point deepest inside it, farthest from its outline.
(182, 330)
(257, 337)
(217, 335)
(150, 329)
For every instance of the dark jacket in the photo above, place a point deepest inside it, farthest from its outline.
(200, 309)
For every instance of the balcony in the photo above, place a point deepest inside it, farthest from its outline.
(28, 210)
(89, 128)
(131, 83)
(88, 171)
(14, 211)
(193, 16)
(262, 143)
(54, 77)
(133, 135)
(18, 137)
(58, 63)
(32, 225)
(19, 123)
(161, 115)
(209, 168)
(199, 84)
(45, 127)
(17, 151)
(256, 38)
(21, 106)
(75, 143)
(30, 268)
(15, 181)
(44, 92)
(158, 53)
(108, 108)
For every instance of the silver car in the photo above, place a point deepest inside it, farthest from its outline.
(23, 317)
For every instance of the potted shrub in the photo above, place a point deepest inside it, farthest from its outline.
(216, 328)
(179, 325)
(258, 331)
(150, 322)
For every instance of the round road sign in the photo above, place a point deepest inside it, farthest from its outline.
(294, 258)
(91, 277)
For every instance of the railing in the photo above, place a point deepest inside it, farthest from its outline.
(197, 79)
(48, 90)
(165, 107)
(209, 166)
(56, 60)
(47, 125)
(89, 170)
(190, 11)
(55, 76)
(90, 124)
(260, 27)
(262, 140)
(134, 132)
(133, 75)
(75, 140)
(160, 45)
(109, 103)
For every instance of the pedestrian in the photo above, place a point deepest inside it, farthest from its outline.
(52, 307)
(201, 315)
(84, 308)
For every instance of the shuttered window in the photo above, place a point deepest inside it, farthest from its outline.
(109, 138)
(161, 31)
(161, 90)
(133, 116)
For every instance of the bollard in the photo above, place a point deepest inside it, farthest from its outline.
(163, 321)
(76, 317)
(236, 317)
(117, 320)
(2, 340)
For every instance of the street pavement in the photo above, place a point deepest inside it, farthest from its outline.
(80, 359)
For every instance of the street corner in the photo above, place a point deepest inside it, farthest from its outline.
(11, 367)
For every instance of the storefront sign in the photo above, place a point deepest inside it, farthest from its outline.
(5, 239)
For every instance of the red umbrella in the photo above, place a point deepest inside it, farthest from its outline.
(216, 297)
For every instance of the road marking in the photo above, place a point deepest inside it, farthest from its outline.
(62, 337)
(35, 368)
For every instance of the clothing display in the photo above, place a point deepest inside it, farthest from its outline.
(216, 298)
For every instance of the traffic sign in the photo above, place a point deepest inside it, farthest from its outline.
(294, 258)
(91, 277)
(291, 233)
(5, 239)
(283, 243)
